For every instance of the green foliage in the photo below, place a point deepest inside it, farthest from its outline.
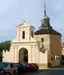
(0, 54)
(5, 45)
(26, 57)
(62, 60)
(62, 57)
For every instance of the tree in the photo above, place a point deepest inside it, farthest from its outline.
(5, 45)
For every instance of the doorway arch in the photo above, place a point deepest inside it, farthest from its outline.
(23, 55)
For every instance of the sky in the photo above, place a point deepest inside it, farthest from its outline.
(13, 12)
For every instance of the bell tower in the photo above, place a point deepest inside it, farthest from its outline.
(45, 21)
(25, 32)
(50, 44)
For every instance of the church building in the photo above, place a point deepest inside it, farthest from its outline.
(42, 47)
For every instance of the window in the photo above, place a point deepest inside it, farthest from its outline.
(42, 39)
(23, 34)
(32, 34)
(51, 58)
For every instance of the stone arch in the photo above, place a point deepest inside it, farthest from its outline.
(23, 55)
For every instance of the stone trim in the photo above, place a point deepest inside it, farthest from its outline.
(43, 65)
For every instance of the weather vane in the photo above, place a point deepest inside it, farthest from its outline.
(23, 22)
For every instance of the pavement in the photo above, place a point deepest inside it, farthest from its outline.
(59, 70)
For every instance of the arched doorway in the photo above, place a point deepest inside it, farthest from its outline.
(23, 55)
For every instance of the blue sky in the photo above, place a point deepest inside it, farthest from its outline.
(13, 12)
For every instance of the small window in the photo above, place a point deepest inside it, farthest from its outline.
(51, 58)
(42, 39)
(32, 34)
(23, 34)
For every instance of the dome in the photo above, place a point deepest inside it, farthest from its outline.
(45, 21)
(45, 17)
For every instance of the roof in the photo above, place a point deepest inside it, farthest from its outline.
(24, 25)
(45, 27)
(46, 31)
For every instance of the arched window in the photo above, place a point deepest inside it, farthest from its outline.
(23, 35)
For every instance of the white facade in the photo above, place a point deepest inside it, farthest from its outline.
(32, 44)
